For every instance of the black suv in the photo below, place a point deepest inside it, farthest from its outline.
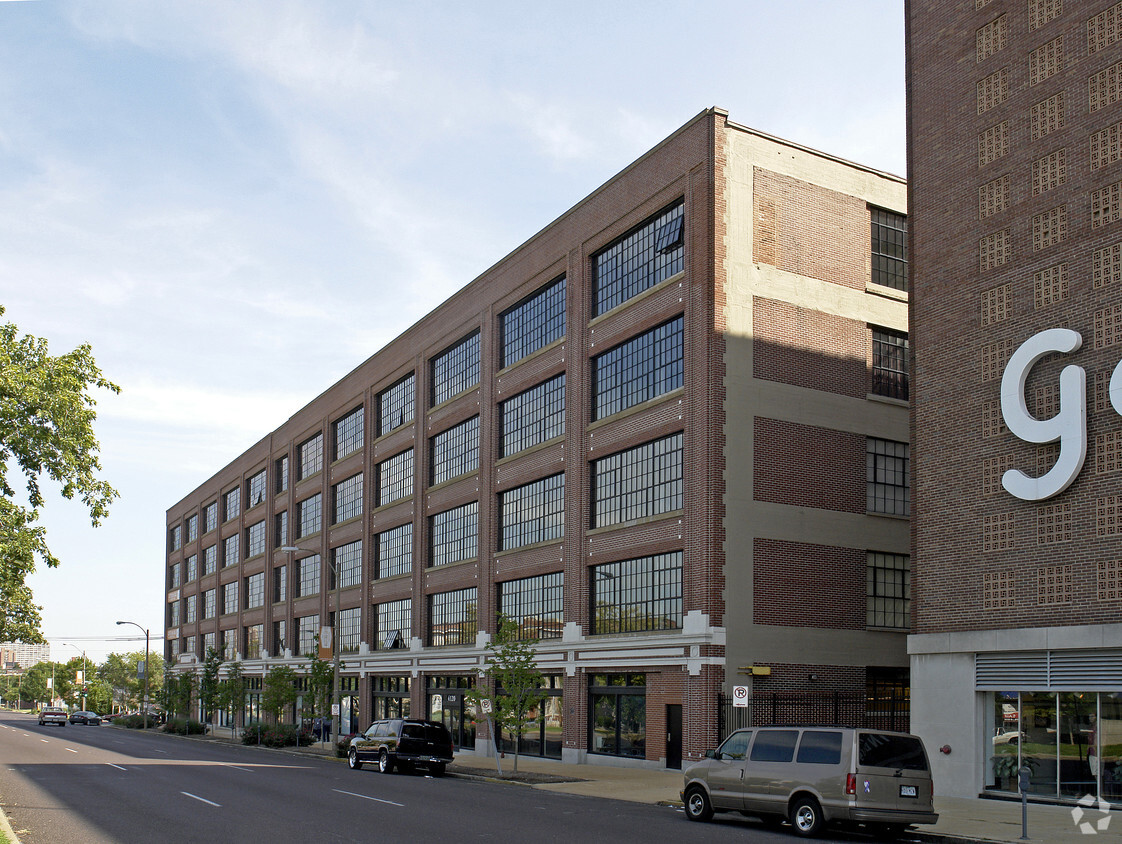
(402, 742)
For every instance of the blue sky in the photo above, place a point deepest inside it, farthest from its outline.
(199, 189)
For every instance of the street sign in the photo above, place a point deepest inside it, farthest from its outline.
(334, 709)
(325, 642)
(485, 704)
(739, 695)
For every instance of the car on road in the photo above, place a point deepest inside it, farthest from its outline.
(1007, 735)
(812, 777)
(52, 715)
(84, 717)
(403, 743)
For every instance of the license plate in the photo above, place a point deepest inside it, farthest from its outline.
(908, 791)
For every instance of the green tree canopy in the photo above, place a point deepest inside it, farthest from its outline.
(278, 691)
(46, 430)
(121, 673)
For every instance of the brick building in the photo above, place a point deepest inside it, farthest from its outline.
(1015, 162)
(667, 435)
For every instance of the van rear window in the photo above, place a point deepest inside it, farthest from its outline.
(774, 745)
(884, 751)
(820, 747)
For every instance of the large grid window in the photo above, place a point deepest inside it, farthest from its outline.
(230, 598)
(255, 490)
(394, 551)
(639, 260)
(309, 515)
(535, 604)
(307, 634)
(255, 539)
(210, 559)
(532, 513)
(890, 363)
(533, 416)
(887, 478)
(348, 498)
(310, 453)
(453, 618)
(174, 577)
(253, 637)
(280, 637)
(348, 630)
(346, 565)
(890, 248)
(210, 603)
(455, 534)
(635, 595)
(173, 614)
(281, 467)
(395, 478)
(208, 644)
(280, 584)
(193, 527)
(534, 322)
(455, 452)
(349, 433)
(190, 614)
(643, 368)
(255, 590)
(210, 517)
(393, 624)
(307, 582)
(175, 538)
(280, 526)
(228, 644)
(888, 590)
(395, 405)
(231, 550)
(192, 568)
(232, 504)
(638, 483)
(455, 370)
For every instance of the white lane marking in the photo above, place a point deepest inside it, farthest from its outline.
(118, 767)
(45, 741)
(70, 750)
(236, 768)
(365, 797)
(158, 751)
(200, 799)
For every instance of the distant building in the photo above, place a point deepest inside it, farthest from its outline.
(668, 435)
(1015, 168)
(24, 655)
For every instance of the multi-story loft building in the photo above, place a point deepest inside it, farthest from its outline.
(23, 654)
(667, 435)
(1015, 167)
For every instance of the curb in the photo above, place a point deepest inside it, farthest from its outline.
(6, 827)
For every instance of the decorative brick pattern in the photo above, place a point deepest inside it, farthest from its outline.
(995, 305)
(1054, 585)
(991, 38)
(993, 90)
(1050, 286)
(1049, 172)
(1108, 515)
(1049, 228)
(1047, 116)
(993, 143)
(1100, 391)
(1047, 401)
(981, 4)
(1106, 205)
(993, 423)
(1104, 28)
(994, 358)
(992, 470)
(1042, 11)
(1108, 326)
(1106, 266)
(997, 590)
(1108, 580)
(1046, 61)
(1053, 523)
(998, 532)
(1046, 457)
(1105, 87)
(1106, 146)
(993, 250)
(993, 197)
(1108, 452)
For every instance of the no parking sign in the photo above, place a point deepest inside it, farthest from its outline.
(739, 695)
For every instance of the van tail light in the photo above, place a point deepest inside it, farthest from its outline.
(851, 784)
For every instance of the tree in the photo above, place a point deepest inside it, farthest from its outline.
(208, 683)
(46, 429)
(121, 673)
(321, 681)
(278, 691)
(231, 694)
(513, 669)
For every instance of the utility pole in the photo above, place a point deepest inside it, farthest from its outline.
(146, 666)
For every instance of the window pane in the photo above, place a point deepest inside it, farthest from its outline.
(887, 477)
(395, 405)
(348, 433)
(639, 260)
(348, 499)
(532, 513)
(455, 452)
(638, 370)
(889, 248)
(394, 551)
(455, 534)
(310, 457)
(534, 416)
(890, 364)
(456, 370)
(639, 594)
(453, 618)
(534, 323)
(347, 561)
(638, 483)
(395, 478)
(535, 604)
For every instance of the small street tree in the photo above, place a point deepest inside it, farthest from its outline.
(513, 670)
(231, 694)
(208, 684)
(321, 679)
(185, 688)
(278, 691)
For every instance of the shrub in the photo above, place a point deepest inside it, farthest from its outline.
(184, 727)
(343, 745)
(275, 735)
(133, 722)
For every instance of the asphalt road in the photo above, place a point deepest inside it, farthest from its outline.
(108, 784)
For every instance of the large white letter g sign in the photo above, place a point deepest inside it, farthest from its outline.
(1069, 425)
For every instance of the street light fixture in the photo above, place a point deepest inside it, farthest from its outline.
(147, 666)
(85, 669)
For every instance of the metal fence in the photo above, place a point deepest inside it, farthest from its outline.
(837, 708)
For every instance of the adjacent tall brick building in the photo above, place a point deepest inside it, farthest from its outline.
(1015, 169)
(667, 435)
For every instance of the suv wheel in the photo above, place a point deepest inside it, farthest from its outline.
(698, 807)
(352, 760)
(806, 817)
(385, 763)
(437, 769)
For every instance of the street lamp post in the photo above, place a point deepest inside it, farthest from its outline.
(85, 670)
(146, 667)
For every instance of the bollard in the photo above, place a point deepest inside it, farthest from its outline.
(1023, 784)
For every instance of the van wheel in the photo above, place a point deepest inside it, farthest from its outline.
(698, 807)
(352, 760)
(385, 763)
(437, 769)
(806, 817)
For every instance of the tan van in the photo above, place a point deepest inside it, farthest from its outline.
(813, 776)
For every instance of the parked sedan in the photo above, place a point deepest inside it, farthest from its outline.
(90, 718)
